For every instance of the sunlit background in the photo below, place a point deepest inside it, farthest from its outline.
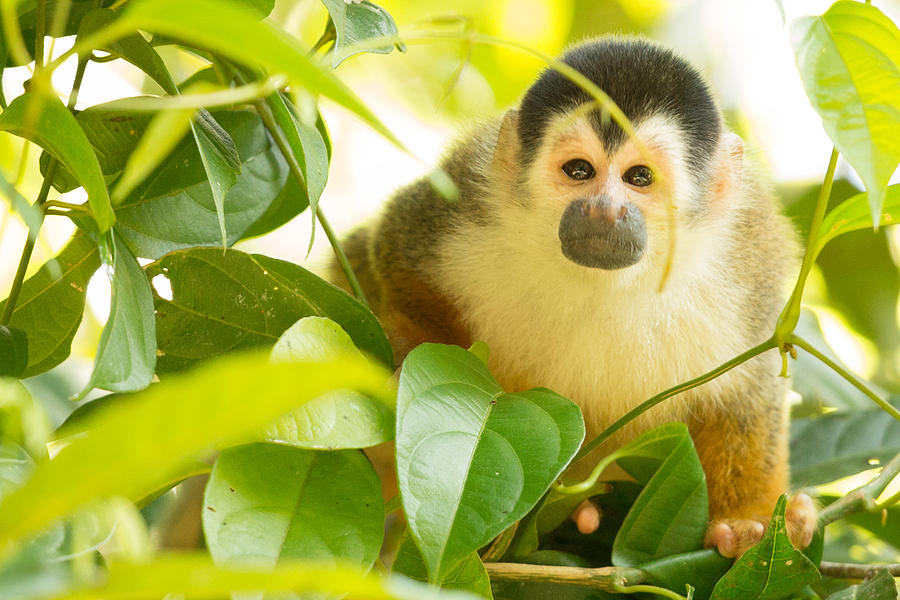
(438, 88)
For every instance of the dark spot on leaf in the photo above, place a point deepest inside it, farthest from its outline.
(210, 508)
(231, 489)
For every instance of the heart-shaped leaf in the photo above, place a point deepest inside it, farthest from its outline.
(339, 419)
(771, 570)
(671, 514)
(472, 460)
(267, 502)
(849, 61)
(257, 298)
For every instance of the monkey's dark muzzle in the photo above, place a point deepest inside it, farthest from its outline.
(594, 234)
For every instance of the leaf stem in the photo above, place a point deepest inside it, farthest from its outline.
(672, 391)
(28, 249)
(850, 377)
(583, 486)
(862, 498)
(648, 589)
(790, 315)
(854, 571)
(609, 579)
(269, 121)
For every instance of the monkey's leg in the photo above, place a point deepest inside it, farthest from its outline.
(745, 458)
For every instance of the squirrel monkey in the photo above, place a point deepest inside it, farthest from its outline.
(555, 250)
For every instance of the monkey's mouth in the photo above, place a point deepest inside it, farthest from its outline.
(601, 252)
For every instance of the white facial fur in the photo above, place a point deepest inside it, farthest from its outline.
(606, 339)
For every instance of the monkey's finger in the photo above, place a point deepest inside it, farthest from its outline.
(586, 517)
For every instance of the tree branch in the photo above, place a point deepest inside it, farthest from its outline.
(610, 579)
(862, 498)
(854, 571)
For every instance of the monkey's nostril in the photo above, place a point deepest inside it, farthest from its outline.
(623, 213)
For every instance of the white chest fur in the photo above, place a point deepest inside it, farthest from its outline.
(606, 339)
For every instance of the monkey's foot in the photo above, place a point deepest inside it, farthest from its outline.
(733, 537)
(587, 517)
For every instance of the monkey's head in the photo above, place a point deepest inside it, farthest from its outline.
(609, 196)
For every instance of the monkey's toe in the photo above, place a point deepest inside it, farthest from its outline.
(800, 518)
(732, 537)
(586, 517)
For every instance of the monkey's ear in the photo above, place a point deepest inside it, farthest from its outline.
(729, 167)
(506, 152)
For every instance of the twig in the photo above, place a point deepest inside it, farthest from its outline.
(610, 579)
(682, 387)
(862, 498)
(854, 571)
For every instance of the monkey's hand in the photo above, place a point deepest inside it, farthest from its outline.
(733, 537)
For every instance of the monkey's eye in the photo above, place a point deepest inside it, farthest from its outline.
(639, 176)
(578, 169)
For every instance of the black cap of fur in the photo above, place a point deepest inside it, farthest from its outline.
(644, 79)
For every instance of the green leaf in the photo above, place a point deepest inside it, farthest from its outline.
(167, 426)
(257, 298)
(771, 570)
(671, 514)
(339, 419)
(113, 133)
(217, 151)
(45, 121)
(13, 351)
(308, 146)
(701, 569)
(234, 31)
(22, 420)
(221, 175)
(836, 445)
(881, 586)
(161, 136)
(126, 355)
(471, 460)
(849, 61)
(468, 576)
(356, 23)
(854, 214)
(265, 503)
(174, 207)
(51, 302)
(195, 576)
